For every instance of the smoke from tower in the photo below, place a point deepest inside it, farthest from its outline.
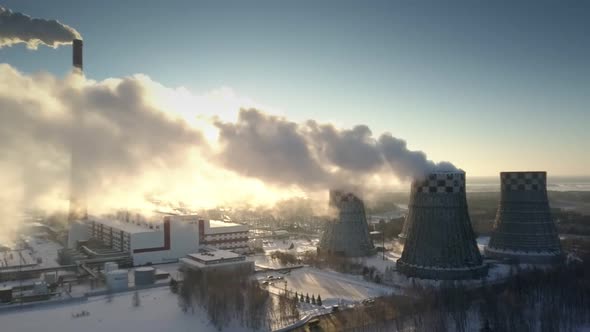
(16, 28)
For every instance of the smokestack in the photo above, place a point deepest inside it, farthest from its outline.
(440, 242)
(78, 210)
(77, 53)
(349, 235)
(524, 229)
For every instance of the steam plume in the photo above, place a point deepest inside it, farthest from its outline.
(314, 155)
(134, 148)
(20, 28)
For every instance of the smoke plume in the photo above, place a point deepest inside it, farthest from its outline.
(20, 28)
(314, 155)
(137, 141)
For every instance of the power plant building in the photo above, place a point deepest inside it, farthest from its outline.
(214, 260)
(156, 242)
(349, 234)
(524, 228)
(223, 235)
(440, 241)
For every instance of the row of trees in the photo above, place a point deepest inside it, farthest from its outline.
(228, 296)
(307, 299)
(531, 300)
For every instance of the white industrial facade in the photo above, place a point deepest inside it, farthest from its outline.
(162, 241)
(223, 235)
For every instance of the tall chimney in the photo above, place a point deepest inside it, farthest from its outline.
(78, 210)
(77, 53)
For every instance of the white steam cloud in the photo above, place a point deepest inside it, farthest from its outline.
(18, 28)
(136, 140)
(316, 156)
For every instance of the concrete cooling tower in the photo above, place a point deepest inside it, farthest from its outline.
(349, 234)
(440, 242)
(524, 228)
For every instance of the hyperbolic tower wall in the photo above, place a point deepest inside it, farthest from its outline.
(440, 242)
(524, 227)
(349, 234)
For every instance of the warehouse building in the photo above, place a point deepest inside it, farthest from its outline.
(210, 259)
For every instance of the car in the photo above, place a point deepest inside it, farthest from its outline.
(270, 277)
(265, 283)
(279, 278)
(335, 308)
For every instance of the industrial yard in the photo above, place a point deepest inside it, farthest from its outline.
(305, 166)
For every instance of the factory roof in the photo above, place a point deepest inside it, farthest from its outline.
(217, 226)
(212, 256)
(127, 227)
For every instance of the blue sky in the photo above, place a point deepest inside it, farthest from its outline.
(488, 85)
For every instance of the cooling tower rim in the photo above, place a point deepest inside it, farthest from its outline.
(521, 172)
(441, 273)
(537, 257)
(522, 252)
(442, 268)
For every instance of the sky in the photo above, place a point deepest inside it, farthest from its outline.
(488, 85)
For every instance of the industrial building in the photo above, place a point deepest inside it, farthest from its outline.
(223, 235)
(348, 235)
(440, 242)
(209, 259)
(157, 241)
(524, 228)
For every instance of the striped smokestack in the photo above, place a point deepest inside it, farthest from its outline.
(77, 53)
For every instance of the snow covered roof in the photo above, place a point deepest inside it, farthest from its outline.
(217, 227)
(127, 227)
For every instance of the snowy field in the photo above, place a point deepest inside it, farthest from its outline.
(158, 311)
(332, 286)
(299, 245)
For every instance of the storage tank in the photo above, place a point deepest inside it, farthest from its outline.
(524, 229)
(144, 276)
(110, 266)
(440, 243)
(117, 280)
(40, 288)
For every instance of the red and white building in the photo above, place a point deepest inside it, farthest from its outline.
(161, 241)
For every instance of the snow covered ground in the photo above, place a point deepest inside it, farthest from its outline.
(331, 286)
(159, 311)
(299, 245)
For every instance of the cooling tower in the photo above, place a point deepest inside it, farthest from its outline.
(349, 234)
(524, 228)
(440, 242)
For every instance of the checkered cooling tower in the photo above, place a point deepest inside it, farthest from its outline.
(435, 183)
(349, 234)
(440, 243)
(524, 229)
